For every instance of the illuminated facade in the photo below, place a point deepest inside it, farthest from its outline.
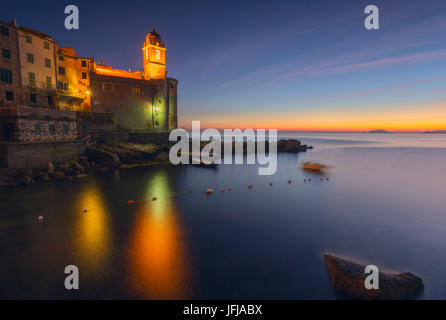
(36, 72)
(73, 80)
(154, 56)
(141, 101)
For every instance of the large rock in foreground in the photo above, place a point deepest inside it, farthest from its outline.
(348, 277)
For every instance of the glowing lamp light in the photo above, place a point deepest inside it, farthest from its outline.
(157, 108)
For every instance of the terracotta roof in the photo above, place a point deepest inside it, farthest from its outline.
(67, 51)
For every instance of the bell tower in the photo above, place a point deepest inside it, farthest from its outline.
(154, 56)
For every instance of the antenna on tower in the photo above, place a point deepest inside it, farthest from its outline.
(153, 27)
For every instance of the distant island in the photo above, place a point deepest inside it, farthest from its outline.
(436, 131)
(379, 131)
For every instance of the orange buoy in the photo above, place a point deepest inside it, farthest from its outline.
(229, 188)
(222, 189)
(130, 202)
(40, 218)
(249, 186)
(209, 191)
(270, 183)
(289, 181)
(327, 178)
(85, 210)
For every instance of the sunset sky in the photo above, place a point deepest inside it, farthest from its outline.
(290, 65)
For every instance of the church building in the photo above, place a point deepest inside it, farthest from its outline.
(140, 100)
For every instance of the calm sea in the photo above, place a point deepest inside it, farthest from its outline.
(384, 204)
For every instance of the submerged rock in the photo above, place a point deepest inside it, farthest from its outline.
(348, 277)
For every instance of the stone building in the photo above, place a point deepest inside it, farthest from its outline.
(38, 68)
(10, 79)
(141, 101)
(73, 80)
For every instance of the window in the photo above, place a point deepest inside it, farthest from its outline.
(84, 64)
(51, 128)
(37, 128)
(137, 91)
(158, 54)
(65, 129)
(6, 53)
(48, 82)
(9, 96)
(62, 85)
(29, 39)
(32, 79)
(33, 98)
(108, 87)
(4, 31)
(84, 75)
(47, 63)
(61, 70)
(46, 45)
(61, 58)
(30, 57)
(50, 101)
(6, 75)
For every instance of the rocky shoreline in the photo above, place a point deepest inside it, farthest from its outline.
(348, 278)
(111, 155)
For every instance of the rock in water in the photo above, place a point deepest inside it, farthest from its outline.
(348, 277)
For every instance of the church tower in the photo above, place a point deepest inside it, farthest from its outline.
(154, 54)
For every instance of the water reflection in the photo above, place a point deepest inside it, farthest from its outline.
(93, 236)
(157, 256)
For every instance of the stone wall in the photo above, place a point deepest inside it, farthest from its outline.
(94, 122)
(172, 103)
(30, 124)
(38, 130)
(136, 137)
(37, 155)
(137, 104)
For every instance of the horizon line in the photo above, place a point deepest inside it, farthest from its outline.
(324, 130)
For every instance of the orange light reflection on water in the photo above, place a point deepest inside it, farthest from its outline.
(157, 254)
(93, 237)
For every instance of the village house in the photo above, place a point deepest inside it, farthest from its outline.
(10, 84)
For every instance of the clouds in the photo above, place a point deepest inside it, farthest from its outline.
(400, 43)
